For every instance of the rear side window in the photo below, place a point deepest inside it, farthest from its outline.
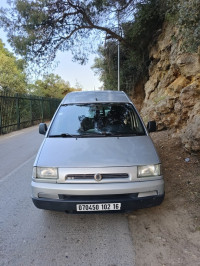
(97, 120)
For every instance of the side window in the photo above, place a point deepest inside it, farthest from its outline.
(133, 119)
(136, 123)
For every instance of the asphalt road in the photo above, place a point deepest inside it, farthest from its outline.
(29, 236)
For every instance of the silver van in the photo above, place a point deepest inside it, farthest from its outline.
(97, 156)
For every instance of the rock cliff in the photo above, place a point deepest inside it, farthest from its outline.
(172, 92)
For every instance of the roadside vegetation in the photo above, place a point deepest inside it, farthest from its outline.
(141, 33)
(38, 29)
(24, 103)
(14, 79)
(12, 76)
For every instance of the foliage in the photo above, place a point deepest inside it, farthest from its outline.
(12, 76)
(51, 86)
(38, 28)
(133, 62)
(106, 66)
(140, 33)
(186, 16)
(13, 79)
(21, 110)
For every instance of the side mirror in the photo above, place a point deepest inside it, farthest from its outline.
(42, 128)
(151, 126)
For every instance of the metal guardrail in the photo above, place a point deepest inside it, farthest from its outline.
(18, 111)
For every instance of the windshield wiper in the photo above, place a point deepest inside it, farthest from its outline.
(104, 133)
(119, 134)
(63, 135)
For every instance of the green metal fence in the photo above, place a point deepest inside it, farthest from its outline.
(19, 111)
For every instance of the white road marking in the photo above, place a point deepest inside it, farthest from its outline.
(17, 168)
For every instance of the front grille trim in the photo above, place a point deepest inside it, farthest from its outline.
(91, 176)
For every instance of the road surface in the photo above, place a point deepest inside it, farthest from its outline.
(29, 236)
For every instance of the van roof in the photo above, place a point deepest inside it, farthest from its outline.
(95, 96)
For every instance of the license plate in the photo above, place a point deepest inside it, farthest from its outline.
(98, 207)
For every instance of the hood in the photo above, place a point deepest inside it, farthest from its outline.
(97, 152)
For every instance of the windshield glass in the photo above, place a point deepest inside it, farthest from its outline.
(96, 120)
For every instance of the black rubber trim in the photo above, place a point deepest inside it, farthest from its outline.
(69, 205)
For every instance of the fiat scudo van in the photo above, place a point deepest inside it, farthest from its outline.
(97, 156)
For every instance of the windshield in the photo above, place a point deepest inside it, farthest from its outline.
(96, 120)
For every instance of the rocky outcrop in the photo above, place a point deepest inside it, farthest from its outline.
(172, 92)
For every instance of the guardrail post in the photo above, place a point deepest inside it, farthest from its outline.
(42, 108)
(17, 111)
(0, 125)
(50, 109)
(0, 115)
(31, 110)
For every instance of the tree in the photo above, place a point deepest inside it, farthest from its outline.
(12, 76)
(39, 28)
(105, 65)
(133, 62)
(51, 86)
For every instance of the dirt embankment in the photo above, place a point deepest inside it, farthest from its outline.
(170, 233)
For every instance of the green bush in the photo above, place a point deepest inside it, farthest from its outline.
(186, 16)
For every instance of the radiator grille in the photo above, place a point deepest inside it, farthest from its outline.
(91, 176)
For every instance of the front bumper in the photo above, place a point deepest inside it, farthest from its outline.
(65, 197)
(129, 202)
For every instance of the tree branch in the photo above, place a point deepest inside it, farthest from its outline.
(113, 34)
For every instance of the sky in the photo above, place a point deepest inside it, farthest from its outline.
(68, 70)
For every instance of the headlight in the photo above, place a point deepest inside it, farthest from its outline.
(149, 170)
(45, 172)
